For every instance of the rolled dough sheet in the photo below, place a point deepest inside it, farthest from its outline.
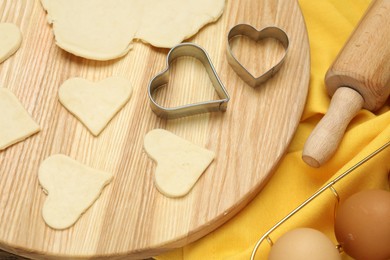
(10, 40)
(71, 187)
(15, 123)
(104, 30)
(180, 163)
(95, 104)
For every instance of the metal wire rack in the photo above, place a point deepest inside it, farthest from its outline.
(329, 185)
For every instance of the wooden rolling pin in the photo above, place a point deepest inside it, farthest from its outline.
(359, 78)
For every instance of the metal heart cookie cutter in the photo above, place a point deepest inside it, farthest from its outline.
(193, 50)
(249, 31)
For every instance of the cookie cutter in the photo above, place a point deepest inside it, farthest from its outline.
(193, 50)
(256, 35)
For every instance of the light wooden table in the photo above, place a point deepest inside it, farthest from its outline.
(131, 218)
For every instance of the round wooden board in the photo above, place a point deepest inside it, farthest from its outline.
(131, 218)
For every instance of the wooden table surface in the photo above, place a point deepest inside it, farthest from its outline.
(131, 218)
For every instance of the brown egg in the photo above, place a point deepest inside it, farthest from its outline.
(302, 244)
(362, 225)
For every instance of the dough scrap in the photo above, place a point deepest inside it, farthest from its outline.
(180, 163)
(10, 40)
(71, 188)
(95, 104)
(15, 123)
(104, 30)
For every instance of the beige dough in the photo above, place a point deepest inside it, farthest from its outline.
(104, 29)
(95, 104)
(71, 187)
(10, 40)
(180, 163)
(15, 123)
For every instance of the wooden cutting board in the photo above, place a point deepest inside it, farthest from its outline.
(131, 218)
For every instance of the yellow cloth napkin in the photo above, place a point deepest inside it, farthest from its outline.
(329, 24)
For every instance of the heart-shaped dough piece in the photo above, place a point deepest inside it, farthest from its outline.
(71, 187)
(15, 123)
(95, 104)
(10, 40)
(180, 163)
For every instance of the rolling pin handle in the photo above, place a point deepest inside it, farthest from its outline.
(360, 77)
(326, 136)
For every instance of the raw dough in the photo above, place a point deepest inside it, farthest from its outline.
(95, 104)
(104, 30)
(15, 123)
(10, 40)
(71, 187)
(180, 163)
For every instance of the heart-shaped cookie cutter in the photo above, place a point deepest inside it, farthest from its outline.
(256, 35)
(193, 50)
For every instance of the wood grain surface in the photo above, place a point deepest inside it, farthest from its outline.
(131, 218)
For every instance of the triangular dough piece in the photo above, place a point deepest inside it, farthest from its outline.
(15, 123)
(180, 163)
(71, 187)
(95, 104)
(10, 40)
